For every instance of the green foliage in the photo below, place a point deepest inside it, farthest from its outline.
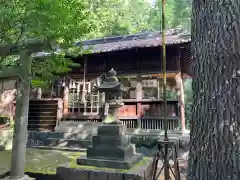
(177, 14)
(67, 21)
(63, 20)
(132, 17)
(121, 17)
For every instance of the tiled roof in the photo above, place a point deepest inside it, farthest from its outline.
(149, 39)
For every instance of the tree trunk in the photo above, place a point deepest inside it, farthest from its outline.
(215, 140)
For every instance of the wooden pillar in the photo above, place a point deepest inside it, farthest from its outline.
(139, 98)
(159, 88)
(21, 122)
(180, 93)
(65, 98)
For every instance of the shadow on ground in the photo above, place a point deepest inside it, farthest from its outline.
(36, 176)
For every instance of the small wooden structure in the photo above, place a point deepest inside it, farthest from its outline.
(137, 60)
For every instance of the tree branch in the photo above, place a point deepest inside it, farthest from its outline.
(19, 37)
(22, 26)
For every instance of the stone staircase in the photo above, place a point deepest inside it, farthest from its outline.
(77, 136)
(70, 136)
(44, 114)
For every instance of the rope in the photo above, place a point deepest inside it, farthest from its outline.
(99, 77)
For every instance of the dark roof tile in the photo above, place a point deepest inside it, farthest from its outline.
(150, 39)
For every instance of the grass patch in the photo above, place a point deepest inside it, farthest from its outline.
(46, 161)
(39, 161)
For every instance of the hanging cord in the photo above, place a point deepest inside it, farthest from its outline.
(102, 79)
(92, 81)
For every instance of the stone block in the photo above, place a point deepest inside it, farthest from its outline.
(139, 172)
(110, 141)
(78, 174)
(184, 142)
(98, 175)
(107, 163)
(62, 173)
(2, 148)
(106, 152)
(25, 177)
(115, 176)
(111, 130)
(133, 177)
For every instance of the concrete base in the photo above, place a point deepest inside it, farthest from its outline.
(107, 163)
(138, 172)
(25, 177)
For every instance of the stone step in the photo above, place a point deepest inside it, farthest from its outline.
(56, 142)
(35, 137)
(71, 143)
(60, 148)
(44, 135)
(85, 135)
(76, 127)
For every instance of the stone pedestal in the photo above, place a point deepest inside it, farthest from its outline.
(111, 148)
(141, 171)
(25, 177)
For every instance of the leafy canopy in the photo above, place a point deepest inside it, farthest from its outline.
(67, 21)
(63, 20)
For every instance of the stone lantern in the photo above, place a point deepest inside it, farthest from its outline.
(112, 89)
(111, 146)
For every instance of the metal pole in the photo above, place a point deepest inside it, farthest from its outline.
(164, 68)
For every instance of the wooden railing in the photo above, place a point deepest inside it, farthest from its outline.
(156, 123)
(151, 123)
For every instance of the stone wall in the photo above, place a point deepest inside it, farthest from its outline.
(7, 103)
(7, 97)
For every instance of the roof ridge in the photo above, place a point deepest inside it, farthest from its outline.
(138, 36)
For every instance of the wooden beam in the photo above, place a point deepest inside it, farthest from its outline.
(139, 94)
(31, 45)
(9, 72)
(65, 99)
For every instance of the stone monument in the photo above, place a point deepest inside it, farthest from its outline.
(111, 147)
